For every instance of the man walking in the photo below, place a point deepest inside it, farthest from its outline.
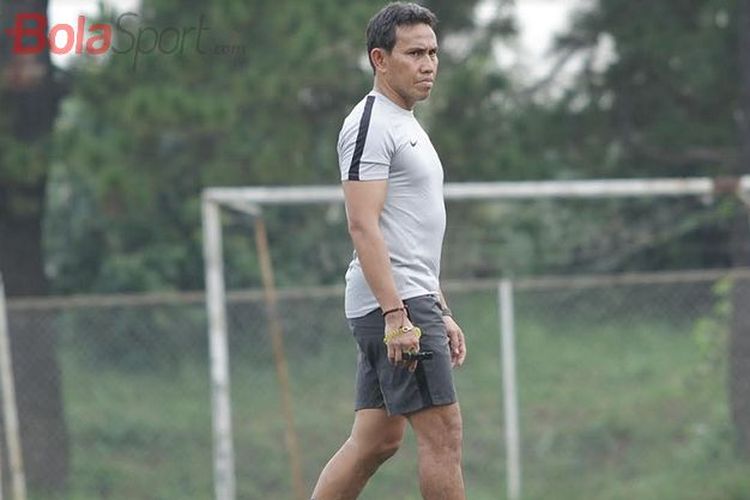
(393, 188)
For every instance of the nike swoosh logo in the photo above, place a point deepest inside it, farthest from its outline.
(413, 143)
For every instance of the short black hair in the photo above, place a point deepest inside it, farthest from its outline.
(381, 30)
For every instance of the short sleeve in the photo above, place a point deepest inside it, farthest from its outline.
(365, 147)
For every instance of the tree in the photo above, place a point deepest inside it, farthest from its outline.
(666, 104)
(141, 140)
(29, 97)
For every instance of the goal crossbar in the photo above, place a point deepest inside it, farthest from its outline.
(599, 188)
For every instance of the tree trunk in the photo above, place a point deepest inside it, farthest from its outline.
(28, 100)
(739, 344)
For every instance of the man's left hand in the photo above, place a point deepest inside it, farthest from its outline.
(456, 341)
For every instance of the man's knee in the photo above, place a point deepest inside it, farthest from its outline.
(387, 449)
(382, 449)
(441, 433)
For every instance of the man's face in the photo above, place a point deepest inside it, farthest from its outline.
(410, 68)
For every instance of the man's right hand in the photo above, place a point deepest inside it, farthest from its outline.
(404, 342)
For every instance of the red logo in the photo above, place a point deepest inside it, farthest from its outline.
(62, 38)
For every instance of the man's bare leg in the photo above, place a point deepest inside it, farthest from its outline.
(439, 439)
(374, 439)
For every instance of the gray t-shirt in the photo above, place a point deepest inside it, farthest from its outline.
(381, 140)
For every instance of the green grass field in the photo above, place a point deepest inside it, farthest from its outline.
(631, 407)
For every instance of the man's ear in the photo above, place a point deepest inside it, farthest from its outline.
(378, 56)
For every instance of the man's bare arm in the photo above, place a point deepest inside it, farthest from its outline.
(454, 332)
(364, 202)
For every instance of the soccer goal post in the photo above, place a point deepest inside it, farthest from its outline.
(251, 200)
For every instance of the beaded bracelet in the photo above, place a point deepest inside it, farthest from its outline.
(401, 331)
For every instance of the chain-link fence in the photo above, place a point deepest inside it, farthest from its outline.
(622, 390)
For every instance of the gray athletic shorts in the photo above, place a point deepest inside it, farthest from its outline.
(382, 384)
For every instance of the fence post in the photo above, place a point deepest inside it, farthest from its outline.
(10, 411)
(510, 398)
(224, 485)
